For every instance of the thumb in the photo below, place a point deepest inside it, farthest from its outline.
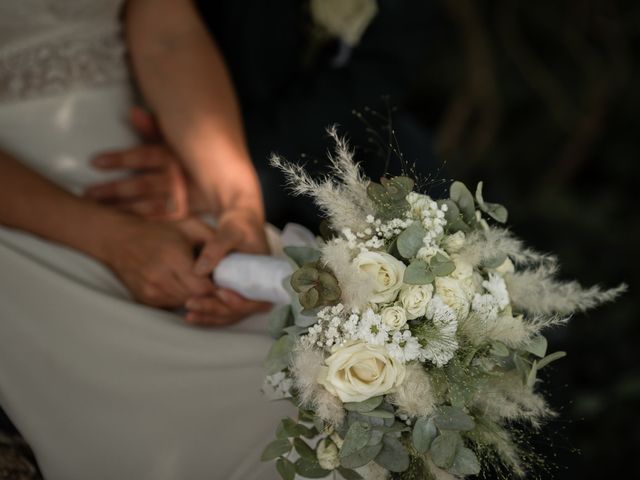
(196, 231)
(211, 255)
(144, 123)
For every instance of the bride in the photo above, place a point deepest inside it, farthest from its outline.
(98, 373)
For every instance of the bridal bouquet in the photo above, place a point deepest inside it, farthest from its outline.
(413, 340)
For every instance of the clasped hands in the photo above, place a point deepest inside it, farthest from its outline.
(152, 251)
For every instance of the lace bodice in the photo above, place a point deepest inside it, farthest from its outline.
(50, 46)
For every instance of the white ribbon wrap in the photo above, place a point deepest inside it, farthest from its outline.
(261, 277)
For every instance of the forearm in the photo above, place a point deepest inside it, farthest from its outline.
(184, 80)
(31, 203)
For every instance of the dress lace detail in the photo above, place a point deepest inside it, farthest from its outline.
(50, 46)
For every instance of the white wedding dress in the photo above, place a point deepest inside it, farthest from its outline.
(102, 387)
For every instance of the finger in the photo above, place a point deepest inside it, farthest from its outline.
(144, 123)
(142, 157)
(157, 207)
(196, 231)
(212, 253)
(239, 304)
(150, 184)
(204, 320)
(197, 286)
(208, 305)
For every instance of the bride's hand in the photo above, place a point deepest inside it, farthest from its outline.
(236, 231)
(160, 189)
(154, 260)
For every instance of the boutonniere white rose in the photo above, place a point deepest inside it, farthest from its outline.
(344, 19)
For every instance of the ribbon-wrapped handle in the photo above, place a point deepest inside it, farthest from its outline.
(256, 277)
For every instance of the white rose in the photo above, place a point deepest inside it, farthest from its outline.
(463, 268)
(394, 317)
(415, 298)
(359, 371)
(455, 294)
(453, 243)
(504, 268)
(346, 19)
(386, 271)
(327, 453)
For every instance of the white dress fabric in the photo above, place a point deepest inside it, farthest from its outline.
(102, 387)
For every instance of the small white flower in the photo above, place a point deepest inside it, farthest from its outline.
(394, 317)
(486, 306)
(327, 453)
(439, 312)
(442, 347)
(496, 286)
(371, 329)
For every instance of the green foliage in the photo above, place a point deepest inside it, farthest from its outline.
(445, 448)
(286, 469)
(316, 286)
(279, 355)
(389, 196)
(494, 210)
(463, 199)
(364, 406)
(279, 319)
(552, 357)
(356, 439)
(275, 449)
(309, 469)
(441, 266)
(360, 457)
(418, 273)
(453, 418)
(393, 456)
(411, 240)
(465, 463)
(424, 432)
(537, 346)
(304, 450)
(302, 255)
(348, 474)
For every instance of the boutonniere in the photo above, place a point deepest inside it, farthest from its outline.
(339, 24)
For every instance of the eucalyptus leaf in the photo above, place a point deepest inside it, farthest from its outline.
(309, 469)
(376, 436)
(279, 318)
(411, 240)
(495, 261)
(424, 432)
(302, 255)
(304, 450)
(531, 378)
(461, 195)
(499, 349)
(329, 289)
(418, 273)
(441, 266)
(364, 406)
(286, 469)
(393, 456)
(286, 428)
(357, 438)
(275, 449)
(378, 414)
(537, 346)
(310, 298)
(361, 457)
(349, 474)
(445, 448)
(453, 418)
(552, 357)
(279, 355)
(304, 278)
(494, 210)
(465, 463)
